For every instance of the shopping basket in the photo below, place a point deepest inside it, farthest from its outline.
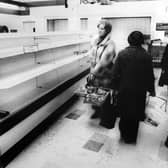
(93, 94)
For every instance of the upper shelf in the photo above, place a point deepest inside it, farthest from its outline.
(18, 44)
(61, 44)
(36, 35)
(9, 81)
(10, 52)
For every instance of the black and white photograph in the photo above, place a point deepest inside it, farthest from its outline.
(84, 84)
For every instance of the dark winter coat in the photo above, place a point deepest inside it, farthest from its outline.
(133, 76)
(163, 80)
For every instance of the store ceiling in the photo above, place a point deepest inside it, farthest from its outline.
(38, 3)
(35, 3)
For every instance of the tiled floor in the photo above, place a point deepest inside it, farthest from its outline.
(76, 141)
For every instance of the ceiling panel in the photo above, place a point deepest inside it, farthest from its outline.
(131, 0)
(35, 3)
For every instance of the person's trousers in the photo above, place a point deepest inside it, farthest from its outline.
(131, 107)
(108, 114)
(128, 129)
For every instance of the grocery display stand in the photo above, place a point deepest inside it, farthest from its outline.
(38, 73)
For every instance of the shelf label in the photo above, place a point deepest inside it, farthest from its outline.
(161, 26)
(30, 49)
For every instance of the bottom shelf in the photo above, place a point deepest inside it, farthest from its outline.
(15, 134)
(30, 101)
(21, 100)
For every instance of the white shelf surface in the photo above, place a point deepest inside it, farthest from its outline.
(19, 102)
(12, 80)
(9, 52)
(41, 35)
(45, 46)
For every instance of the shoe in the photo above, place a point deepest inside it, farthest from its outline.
(126, 141)
(94, 116)
(106, 125)
(133, 142)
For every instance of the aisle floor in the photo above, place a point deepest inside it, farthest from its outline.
(76, 141)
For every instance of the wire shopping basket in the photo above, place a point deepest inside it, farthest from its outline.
(93, 95)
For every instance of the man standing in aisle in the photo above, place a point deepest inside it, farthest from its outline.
(133, 76)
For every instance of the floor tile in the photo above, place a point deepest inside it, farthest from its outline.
(98, 137)
(73, 116)
(93, 145)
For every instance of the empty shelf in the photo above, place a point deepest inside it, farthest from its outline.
(45, 46)
(9, 52)
(35, 71)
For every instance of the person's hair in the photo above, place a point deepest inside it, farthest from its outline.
(136, 38)
(107, 25)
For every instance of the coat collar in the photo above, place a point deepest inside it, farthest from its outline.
(105, 41)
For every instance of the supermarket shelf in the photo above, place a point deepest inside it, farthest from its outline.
(39, 69)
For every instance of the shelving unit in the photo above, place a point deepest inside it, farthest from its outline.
(12, 80)
(38, 73)
(157, 53)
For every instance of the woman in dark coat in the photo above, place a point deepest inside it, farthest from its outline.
(164, 75)
(164, 66)
(133, 76)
